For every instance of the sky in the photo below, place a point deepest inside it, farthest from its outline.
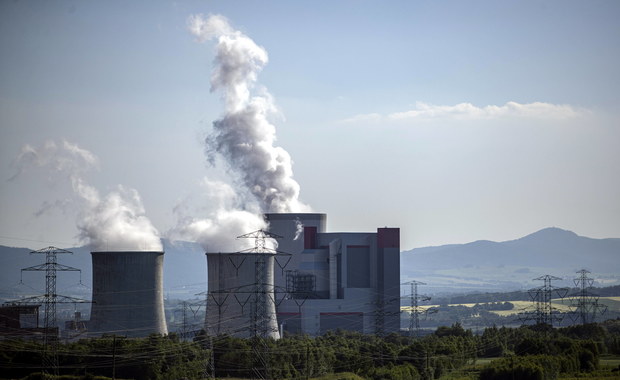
(455, 121)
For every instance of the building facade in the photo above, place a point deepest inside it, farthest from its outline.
(317, 281)
(336, 280)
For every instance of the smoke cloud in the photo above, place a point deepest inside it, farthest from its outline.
(114, 222)
(245, 139)
(243, 136)
(299, 228)
(226, 219)
(64, 159)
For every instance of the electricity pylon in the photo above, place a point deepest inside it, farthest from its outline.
(50, 299)
(585, 303)
(544, 312)
(261, 297)
(415, 309)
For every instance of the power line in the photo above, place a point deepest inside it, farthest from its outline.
(36, 240)
(541, 296)
(585, 303)
(415, 309)
(262, 317)
(49, 300)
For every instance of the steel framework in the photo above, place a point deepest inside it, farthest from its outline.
(544, 312)
(49, 300)
(261, 295)
(585, 303)
(415, 309)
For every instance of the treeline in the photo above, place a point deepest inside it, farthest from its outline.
(609, 291)
(477, 318)
(518, 295)
(155, 357)
(534, 352)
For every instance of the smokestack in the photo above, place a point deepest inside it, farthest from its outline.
(128, 294)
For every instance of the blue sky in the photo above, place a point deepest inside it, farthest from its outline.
(453, 120)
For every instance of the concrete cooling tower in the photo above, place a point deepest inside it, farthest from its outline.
(239, 303)
(127, 294)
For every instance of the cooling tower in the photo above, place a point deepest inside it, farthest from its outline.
(127, 294)
(238, 303)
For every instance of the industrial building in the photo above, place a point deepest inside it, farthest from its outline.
(331, 280)
(21, 321)
(127, 294)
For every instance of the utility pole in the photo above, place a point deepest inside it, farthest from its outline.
(415, 309)
(585, 303)
(211, 365)
(261, 296)
(307, 361)
(50, 299)
(209, 369)
(184, 327)
(380, 313)
(114, 357)
(544, 312)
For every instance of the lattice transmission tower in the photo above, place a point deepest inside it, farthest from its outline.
(545, 312)
(261, 298)
(380, 304)
(49, 300)
(585, 303)
(209, 366)
(415, 309)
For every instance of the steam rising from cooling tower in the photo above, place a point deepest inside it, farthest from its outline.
(243, 135)
(226, 219)
(116, 221)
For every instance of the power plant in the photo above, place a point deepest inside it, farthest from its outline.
(127, 294)
(335, 280)
(314, 282)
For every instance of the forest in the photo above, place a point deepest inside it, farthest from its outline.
(451, 352)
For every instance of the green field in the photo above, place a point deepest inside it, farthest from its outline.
(607, 363)
(563, 305)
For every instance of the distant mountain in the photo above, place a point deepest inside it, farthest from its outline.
(458, 268)
(185, 269)
(511, 265)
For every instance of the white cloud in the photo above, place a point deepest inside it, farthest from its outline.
(468, 111)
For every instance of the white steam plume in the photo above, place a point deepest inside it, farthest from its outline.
(243, 136)
(65, 160)
(299, 228)
(114, 222)
(226, 219)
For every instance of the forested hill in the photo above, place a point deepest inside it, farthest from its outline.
(487, 266)
(185, 268)
(521, 295)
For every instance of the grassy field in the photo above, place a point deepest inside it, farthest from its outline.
(610, 361)
(339, 376)
(333, 376)
(607, 363)
(613, 303)
(563, 305)
(527, 306)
